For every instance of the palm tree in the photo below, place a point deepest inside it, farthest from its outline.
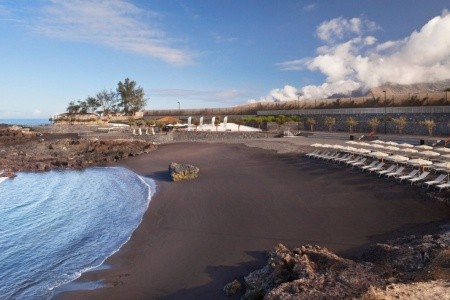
(311, 122)
(330, 122)
(217, 122)
(351, 122)
(195, 122)
(430, 124)
(239, 122)
(400, 122)
(374, 123)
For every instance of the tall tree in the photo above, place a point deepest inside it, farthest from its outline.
(131, 96)
(92, 104)
(108, 101)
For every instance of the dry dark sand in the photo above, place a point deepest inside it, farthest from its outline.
(198, 235)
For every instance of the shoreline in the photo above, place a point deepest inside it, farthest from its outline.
(198, 235)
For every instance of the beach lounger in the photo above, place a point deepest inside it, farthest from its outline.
(443, 186)
(317, 156)
(386, 171)
(344, 158)
(359, 163)
(410, 175)
(419, 177)
(398, 172)
(377, 167)
(354, 160)
(312, 153)
(329, 156)
(337, 155)
(438, 180)
(371, 165)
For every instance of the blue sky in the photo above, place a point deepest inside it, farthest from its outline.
(209, 53)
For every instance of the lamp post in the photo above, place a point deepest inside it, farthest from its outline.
(179, 110)
(385, 131)
(298, 110)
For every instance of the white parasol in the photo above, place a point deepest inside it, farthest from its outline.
(316, 145)
(379, 154)
(363, 151)
(442, 149)
(424, 147)
(397, 158)
(409, 150)
(429, 153)
(391, 148)
(420, 162)
(377, 146)
(442, 165)
(446, 156)
(406, 145)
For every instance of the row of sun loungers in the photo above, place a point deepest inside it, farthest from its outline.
(441, 182)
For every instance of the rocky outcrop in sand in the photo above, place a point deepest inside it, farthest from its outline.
(309, 272)
(386, 270)
(181, 171)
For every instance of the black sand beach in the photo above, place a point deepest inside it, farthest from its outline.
(198, 235)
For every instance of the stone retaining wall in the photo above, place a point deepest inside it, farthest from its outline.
(413, 125)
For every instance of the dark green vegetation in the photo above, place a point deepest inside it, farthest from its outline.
(127, 99)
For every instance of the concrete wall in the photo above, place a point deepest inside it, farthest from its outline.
(413, 126)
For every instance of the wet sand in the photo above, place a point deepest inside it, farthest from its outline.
(198, 235)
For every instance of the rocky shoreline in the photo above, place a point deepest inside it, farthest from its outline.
(31, 151)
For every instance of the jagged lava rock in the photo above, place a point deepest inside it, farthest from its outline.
(232, 288)
(181, 171)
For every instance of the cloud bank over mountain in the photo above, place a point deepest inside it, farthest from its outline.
(353, 59)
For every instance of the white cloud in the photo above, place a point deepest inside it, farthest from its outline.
(115, 23)
(310, 7)
(284, 94)
(339, 28)
(362, 62)
(37, 111)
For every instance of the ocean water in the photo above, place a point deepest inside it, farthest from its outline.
(25, 122)
(56, 225)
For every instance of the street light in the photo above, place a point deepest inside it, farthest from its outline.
(179, 107)
(384, 112)
(298, 110)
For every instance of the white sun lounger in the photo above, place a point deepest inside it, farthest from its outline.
(443, 186)
(336, 156)
(385, 171)
(312, 153)
(419, 177)
(376, 168)
(438, 180)
(359, 163)
(330, 156)
(410, 175)
(354, 160)
(398, 172)
(344, 158)
(371, 165)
